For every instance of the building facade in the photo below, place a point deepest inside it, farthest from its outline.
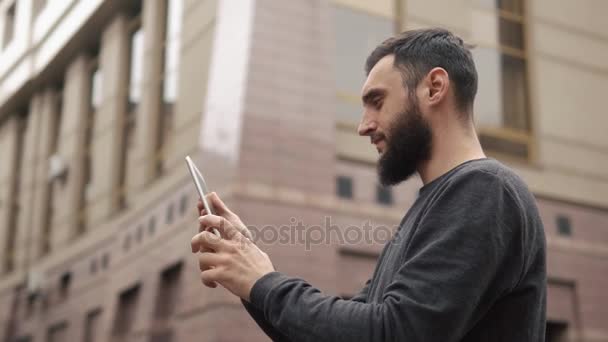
(101, 100)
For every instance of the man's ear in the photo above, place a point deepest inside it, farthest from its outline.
(437, 84)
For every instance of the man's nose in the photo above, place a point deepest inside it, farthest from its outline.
(366, 126)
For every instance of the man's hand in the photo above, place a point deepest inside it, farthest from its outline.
(222, 210)
(233, 260)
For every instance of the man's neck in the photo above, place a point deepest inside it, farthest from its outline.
(452, 146)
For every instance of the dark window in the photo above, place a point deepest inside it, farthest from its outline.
(24, 339)
(127, 308)
(167, 291)
(384, 195)
(32, 298)
(152, 225)
(139, 233)
(93, 266)
(57, 332)
(556, 332)
(344, 187)
(127, 243)
(9, 25)
(64, 285)
(91, 326)
(169, 219)
(183, 204)
(563, 225)
(163, 335)
(105, 260)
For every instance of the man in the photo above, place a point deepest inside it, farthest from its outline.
(468, 260)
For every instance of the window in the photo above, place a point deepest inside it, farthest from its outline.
(105, 261)
(183, 204)
(169, 217)
(30, 307)
(139, 233)
(127, 308)
(91, 326)
(563, 225)
(64, 285)
(167, 291)
(93, 266)
(9, 25)
(152, 225)
(501, 106)
(57, 332)
(344, 187)
(172, 28)
(384, 195)
(136, 55)
(556, 332)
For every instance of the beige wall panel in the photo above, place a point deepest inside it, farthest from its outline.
(454, 15)
(349, 145)
(570, 101)
(581, 160)
(563, 185)
(385, 8)
(572, 46)
(585, 15)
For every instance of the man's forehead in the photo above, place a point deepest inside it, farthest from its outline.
(382, 75)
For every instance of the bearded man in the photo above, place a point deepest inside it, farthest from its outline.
(468, 260)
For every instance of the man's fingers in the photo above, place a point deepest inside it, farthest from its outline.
(208, 261)
(211, 276)
(225, 228)
(206, 241)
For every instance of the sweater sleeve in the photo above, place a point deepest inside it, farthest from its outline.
(448, 278)
(362, 295)
(258, 317)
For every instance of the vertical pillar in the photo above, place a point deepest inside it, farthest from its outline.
(148, 117)
(110, 118)
(30, 160)
(40, 206)
(71, 149)
(8, 174)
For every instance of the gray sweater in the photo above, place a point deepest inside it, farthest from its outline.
(466, 264)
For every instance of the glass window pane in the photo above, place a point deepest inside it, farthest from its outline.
(511, 6)
(488, 102)
(511, 33)
(514, 93)
(384, 195)
(344, 187)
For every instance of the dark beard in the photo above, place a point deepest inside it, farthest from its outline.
(408, 143)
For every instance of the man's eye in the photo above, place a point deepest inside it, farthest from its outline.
(378, 104)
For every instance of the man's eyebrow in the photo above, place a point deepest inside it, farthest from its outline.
(371, 94)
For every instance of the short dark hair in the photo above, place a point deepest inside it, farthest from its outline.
(418, 51)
